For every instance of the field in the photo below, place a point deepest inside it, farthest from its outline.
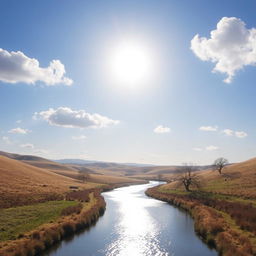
(14, 222)
(55, 220)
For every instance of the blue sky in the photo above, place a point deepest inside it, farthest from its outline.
(182, 112)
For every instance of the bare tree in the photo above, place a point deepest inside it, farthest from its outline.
(188, 177)
(83, 176)
(219, 164)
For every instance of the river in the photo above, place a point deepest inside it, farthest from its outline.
(136, 225)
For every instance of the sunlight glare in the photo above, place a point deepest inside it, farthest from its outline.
(131, 64)
(137, 230)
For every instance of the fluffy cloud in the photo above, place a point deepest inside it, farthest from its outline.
(238, 134)
(81, 137)
(162, 129)
(16, 67)
(231, 46)
(211, 148)
(208, 128)
(19, 130)
(27, 145)
(228, 132)
(66, 117)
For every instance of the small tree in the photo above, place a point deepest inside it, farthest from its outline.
(219, 164)
(188, 178)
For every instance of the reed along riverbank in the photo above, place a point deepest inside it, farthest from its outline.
(215, 221)
(73, 219)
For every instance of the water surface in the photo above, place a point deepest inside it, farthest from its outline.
(136, 225)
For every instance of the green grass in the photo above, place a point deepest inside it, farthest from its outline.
(16, 221)
(205, 194)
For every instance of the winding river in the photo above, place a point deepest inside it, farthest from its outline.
(136, 225)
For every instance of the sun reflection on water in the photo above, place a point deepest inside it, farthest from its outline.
(137, 231)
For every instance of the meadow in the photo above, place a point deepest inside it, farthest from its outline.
(14, 222)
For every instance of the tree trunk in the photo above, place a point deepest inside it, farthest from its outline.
(187, 187)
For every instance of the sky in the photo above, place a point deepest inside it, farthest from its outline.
(159, 82)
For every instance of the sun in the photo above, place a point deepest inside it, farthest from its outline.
(130, 64)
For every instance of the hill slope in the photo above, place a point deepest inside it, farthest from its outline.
(37, 161)
(236, 179)
(21, 183)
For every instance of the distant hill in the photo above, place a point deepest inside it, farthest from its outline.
(99, 163)
(71, 168)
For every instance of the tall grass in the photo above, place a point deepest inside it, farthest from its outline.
(210, 224)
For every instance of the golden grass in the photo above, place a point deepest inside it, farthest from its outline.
(21, 184)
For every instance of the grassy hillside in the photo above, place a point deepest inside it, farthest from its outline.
(37, 161)
(21, 183)
(236, 179)
(33, 179)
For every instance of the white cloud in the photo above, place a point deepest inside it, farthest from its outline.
(66, 117)
(19, 130)
(27, 145)
(197, 149)
(6, 140)
(16, 67)
(208, 128)
(228, 132)
(211, 148)
(81, 137)
(231, 46)
(241, 134)
(238, 134)
(162, 129)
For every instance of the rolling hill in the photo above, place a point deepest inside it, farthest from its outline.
(237, 179)
(22, 183)
(28, 179)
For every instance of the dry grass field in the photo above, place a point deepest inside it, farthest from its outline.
(33, 179)
(21, 184)
(237, 180)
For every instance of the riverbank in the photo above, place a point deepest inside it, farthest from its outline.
(74, 219)
(212, 222)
